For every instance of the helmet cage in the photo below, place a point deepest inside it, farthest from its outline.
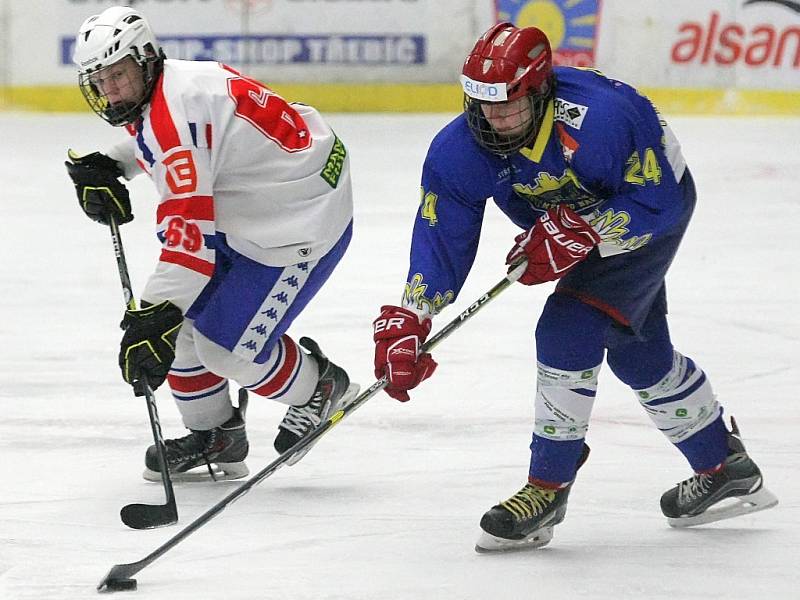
(125, 113)
(497, 143)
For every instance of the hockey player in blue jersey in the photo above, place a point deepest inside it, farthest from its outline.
(596, 180)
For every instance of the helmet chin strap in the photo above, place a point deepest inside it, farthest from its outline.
(120, 113)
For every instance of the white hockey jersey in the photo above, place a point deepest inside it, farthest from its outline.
(229, 156)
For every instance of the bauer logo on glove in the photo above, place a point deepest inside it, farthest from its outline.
(398, 336)
(557, 242)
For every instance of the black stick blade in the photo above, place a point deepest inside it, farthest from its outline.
(118, 579)
(149, 516)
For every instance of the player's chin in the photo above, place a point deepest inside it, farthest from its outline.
(509, 132)
(121, 112)
(511, 127)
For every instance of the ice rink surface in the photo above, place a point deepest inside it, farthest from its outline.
(387, 505)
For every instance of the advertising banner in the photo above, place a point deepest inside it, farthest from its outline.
(571, 26)
(286, 40)
(724, 55)
(754, 45)
(737, 44)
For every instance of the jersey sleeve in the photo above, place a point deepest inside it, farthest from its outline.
(185, 227)
(636, 164)
(447, 229)
(185, 217)
(125, 155)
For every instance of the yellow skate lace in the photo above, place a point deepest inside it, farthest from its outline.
(529, 501)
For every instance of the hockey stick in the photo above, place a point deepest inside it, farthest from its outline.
(120, 576)
(145, 516)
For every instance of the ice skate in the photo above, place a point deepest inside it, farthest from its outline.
(735, 489)
(220, 452)
(333, 391)
(526, 520)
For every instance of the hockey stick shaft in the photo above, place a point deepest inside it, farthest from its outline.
(122, 264)
(125, 571)
(152, 411)
(515, 273)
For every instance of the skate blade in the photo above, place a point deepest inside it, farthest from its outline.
(347, 398)
(760, 500)
(222, 472)
(490, 544)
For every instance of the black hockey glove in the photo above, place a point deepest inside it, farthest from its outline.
(100, 193)
(148, 345)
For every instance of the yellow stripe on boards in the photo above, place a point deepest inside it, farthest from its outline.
(433, 97)
(724, 101)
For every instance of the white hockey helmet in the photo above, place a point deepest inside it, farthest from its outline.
(105, 39)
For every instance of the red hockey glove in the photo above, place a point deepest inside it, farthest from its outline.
(558, 241)
(398, 336)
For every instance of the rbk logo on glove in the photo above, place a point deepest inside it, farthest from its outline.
(557, 242)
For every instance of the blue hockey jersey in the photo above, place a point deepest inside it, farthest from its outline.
(602, 149)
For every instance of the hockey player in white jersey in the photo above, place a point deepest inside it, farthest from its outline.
(255, 212)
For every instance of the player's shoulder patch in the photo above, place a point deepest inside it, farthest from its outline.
(570, 113)
(333, 166)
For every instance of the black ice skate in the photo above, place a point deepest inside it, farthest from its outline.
(221, 451)
(333, 391)
(736, 489)
(525, 520)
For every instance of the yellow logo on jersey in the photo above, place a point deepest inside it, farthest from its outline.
(414, 295)
(612, 226)
(547, 183)
(548, 191)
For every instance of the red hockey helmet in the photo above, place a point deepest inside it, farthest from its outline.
(508, 63)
